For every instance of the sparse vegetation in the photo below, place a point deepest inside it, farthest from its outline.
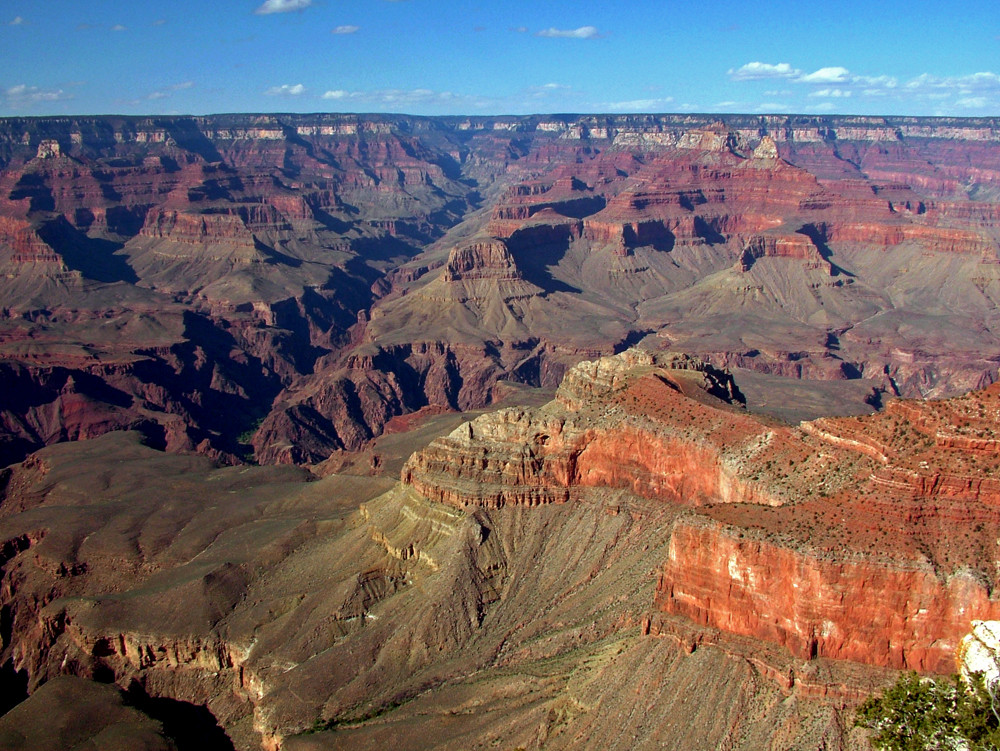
(924, 714)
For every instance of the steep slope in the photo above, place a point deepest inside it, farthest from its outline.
(284, 607)
(357, 268)
(563, 576)
(866, 539)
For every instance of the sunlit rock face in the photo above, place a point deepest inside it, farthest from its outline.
(979, 652)
(279, 287)
(639, 534)
(864, 539)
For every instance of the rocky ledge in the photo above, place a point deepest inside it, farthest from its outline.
(868, 539)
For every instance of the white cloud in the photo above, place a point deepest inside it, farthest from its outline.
(757, 70)
(17, 21)
(584, 32)
(119, 27)
(399, 100)
(548, 88)
(831, 93)
(984, 81)
(949, 94)
(941, 94)
(286, 90)
(882, 82)
(835, 74)
(282, 6)
(347, 29)
(23, 95)
(972, 102)
(520, 29)
(392, 96)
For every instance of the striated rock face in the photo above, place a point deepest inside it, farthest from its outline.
(659, 536)
(898, 614)
(766, 149)
(511, 248)
(483, 260)
(280, 607)
(861, 539)
(796, 246)
(197, 228)
(521, 458)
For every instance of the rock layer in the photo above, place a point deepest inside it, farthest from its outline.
(512, 248)
(833, 540)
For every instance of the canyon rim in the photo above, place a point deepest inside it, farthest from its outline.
(624, 431)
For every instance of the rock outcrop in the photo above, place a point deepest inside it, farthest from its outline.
(515, 247)
(282, 608)
(832, 540)
(979, 652)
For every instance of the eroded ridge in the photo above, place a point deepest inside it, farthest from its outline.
(869, 539)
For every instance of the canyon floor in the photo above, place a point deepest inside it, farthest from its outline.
(330, 431)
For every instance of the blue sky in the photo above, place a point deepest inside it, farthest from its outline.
(436, 57)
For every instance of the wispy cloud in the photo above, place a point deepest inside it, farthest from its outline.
(286, 90)
(119, 27)
(756, 70)
(972, 102)
(984, 81)
(640, 105)
(926, 92)
(346, 29)
(551, 96)
(17, 21)
(831, 93)
(520, 29)
(166, 91)
(23, 95)
(282, 6)
(530, 99)
(392, 97)
(584, 32)
(834, 74)
(546, 87)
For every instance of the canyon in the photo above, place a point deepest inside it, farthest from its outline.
(330, 431)
(278, 288)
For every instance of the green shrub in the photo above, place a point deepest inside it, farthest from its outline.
(923, 714)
